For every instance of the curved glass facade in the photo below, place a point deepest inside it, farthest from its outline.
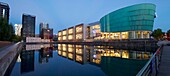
(132, 22)
(139, 17)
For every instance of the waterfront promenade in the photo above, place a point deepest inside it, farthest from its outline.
(164, 68)
(4, 44)
(7, 55)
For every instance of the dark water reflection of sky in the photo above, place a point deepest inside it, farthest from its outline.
(72, 60)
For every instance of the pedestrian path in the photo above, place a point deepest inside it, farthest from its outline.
(7, 55)
(7, 49)
(2, 48)
(164, 68)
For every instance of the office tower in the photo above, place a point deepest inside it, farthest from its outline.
(28, 22)
(4, 10)
(43, 26)
(45, 31)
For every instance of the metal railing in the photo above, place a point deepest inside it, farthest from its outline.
(151, 67)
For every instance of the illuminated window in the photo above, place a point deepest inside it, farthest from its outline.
(70, 37)
(59, 48)
(64, 47)
(70, 31)
(59, 52)
(117, 53)
(79, 36)
(64, 37)
(59, 34)
(59, 38)
(70, 55)
(96, 61)
(79, 29)
(124, 35)
(64, 32)
(146, 34)
(125, 54)
(64, 54)
(70, 49)
(79, 58)
(78, 51)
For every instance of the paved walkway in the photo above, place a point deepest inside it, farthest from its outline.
(6, 57)
(5, 43)
(7, 49)
(164, 68)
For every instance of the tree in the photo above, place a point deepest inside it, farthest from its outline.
(4, 31)
(7, 32)
(157, 34)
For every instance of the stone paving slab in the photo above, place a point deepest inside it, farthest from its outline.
(164, 68)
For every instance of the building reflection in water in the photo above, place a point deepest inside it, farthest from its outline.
(106, 57)
(27, 60)
(74, 52)
(27, 56)
(84, 54)
(45, 54)
(121, 66)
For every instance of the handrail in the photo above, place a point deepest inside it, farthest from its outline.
(156, 57)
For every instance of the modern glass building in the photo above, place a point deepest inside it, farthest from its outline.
(131, 22)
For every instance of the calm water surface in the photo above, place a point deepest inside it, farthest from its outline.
(78, 60)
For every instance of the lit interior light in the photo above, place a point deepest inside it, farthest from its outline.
(94, 56)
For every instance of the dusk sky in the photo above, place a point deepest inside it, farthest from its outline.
(61, 14)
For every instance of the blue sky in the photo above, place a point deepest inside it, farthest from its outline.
(61, 14)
